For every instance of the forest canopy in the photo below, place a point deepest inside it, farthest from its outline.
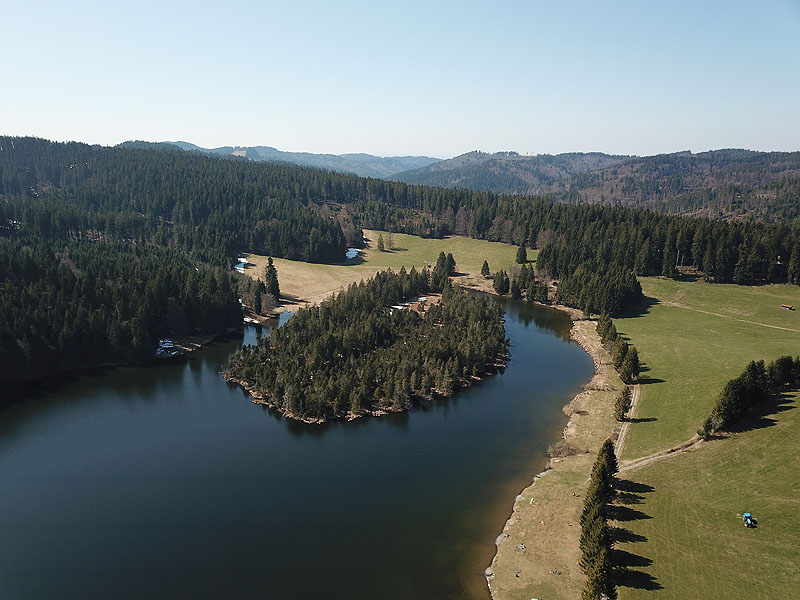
(354, 354)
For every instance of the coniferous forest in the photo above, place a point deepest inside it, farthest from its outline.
(354, 354)
(205, 210)
(69, 305)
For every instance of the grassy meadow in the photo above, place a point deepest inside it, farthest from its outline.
(682, 529)
(306, 282)
(692, 339)
(688, 521)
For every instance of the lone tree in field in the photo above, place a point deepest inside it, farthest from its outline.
(271, 279)
(485, 270)
(522, 255)
(381, 245)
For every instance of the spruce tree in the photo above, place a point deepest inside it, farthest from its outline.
(271, 279)
(381, 245)
(629, 369)
(522, 255)
(485, 269)
(618, 352)
(608, 458)
(622, 404)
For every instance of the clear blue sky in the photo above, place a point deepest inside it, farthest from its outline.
(393, 78)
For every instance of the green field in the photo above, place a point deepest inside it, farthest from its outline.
(312, 282)
(692, 339)
(696, 538)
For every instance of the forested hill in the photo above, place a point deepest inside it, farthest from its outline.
(718, 184)
(365, 165)
(508, 172)
(206, 205)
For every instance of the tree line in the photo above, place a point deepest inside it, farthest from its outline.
(73, 304)
(596, 544)
(624, 356)
(355, 354)
(753, 386)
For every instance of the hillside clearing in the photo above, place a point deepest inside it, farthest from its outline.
(303, 282)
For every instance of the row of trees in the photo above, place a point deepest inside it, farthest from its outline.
(353, 354)
(596, 543)
(755, 385)
(526, 283)
(70, 305)
(624, 356)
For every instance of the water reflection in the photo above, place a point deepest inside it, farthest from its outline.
(172, 463)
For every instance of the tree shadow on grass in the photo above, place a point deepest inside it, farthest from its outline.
(626, 485)
(649, 380)
(627, 559)
(625, 513)
(761, 415)
(620, 535)
(639, 310)
(641, 420)
(625, 575)
(637, 579)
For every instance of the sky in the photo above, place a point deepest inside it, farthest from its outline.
(405, 77)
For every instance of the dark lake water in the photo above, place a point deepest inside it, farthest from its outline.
(166, 481)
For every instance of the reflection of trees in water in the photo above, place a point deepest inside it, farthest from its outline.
(543, 317)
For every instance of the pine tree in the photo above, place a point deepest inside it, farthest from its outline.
(622, 404)
(629, 369)
(610, 335)
(618, 352)
(485, 269)
(271, 279)
(522, 255)
(501, 282)
(608, 458)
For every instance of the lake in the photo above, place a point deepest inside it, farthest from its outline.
(166, 481)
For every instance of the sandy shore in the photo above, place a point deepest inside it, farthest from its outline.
(538, 550)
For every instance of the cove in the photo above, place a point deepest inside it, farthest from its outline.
(166, 481)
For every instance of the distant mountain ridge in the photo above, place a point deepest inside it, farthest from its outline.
(730, 183)
(508, 172)
(364, 165)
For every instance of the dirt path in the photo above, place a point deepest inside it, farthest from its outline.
(686, 446)
(708, 312)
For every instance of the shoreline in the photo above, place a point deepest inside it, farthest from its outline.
(537, 551)
(183, 345)
(257, 397)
